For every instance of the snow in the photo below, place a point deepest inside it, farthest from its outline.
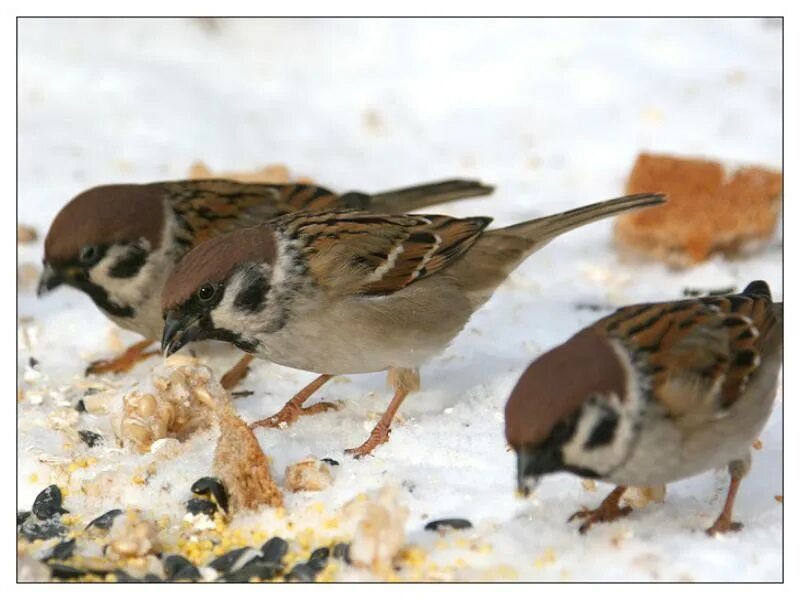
(552, 112)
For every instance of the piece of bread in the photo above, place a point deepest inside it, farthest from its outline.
(707, 211)
(241, 465)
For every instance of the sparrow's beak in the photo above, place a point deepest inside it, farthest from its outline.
(50, 279)
(526, 480)
(179, 330)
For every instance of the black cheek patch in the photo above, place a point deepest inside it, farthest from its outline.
(130, 264)
(603, 432)
(252, 298)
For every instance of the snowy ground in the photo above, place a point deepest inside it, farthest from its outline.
(552, 112)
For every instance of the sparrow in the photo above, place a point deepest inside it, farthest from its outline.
(652, 394)
(345, 292)
(118, 243)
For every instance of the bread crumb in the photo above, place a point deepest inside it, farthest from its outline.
(639, 497)
(380, 533)
(26, 234)
(779, 498)
(27, 276)
(757, 445)
(309, 475)
(241, 465)
(590, 485)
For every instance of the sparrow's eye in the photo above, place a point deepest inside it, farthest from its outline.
(206, 292)
(88, 254)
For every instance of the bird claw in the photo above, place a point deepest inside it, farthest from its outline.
(724, 525)
(379, 435)
(290, 414)
(604, 513)
(122, 363)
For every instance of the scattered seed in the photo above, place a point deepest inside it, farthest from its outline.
(178, 568)
(34, 529)
(90, 438)
(106, 520)
(301, 573)
(320, 554)
(448, 524)
(80, 406)
(197, 506)
(255, 568)
(242, 393)
(331, 462)
(274, 550)
(317, 564)
(593, 307)
(48, 502)
(66, 571)
(62, 550)
(224, 563)
(32, 362)
(211, 486)
(341, 551)
(694, 292)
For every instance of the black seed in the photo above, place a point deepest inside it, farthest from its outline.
(34, 529)
(274, 550)
(48, 502)
(242, 393)
(175, 564)
(224, 563)
(301, 573)
(80, 406)
(189, 573)
(320, 554)
(254, 568)
(448, 524)
(153, 578)
(22, 516)
(90, 438)
(197, 506)
(124, 577)
(32, 362)
(317, 564)
(342, 552)
(206, 486)
(331, 462)
(106, 520)
(65, 571)
(62, 550)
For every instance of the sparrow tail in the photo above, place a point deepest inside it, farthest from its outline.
(410, 199)
(540, 231)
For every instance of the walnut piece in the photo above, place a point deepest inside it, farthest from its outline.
(130, 536)
(308, 475)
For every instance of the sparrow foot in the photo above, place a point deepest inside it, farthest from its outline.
(124, 362)
(724, 524)
(237, 372)
(379, 435)
(609, 510)
(289, 414)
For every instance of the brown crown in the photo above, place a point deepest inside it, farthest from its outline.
(555, 385)
(213, 261)
(106, 215)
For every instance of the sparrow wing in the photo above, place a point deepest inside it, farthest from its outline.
(209, 207)
(700, 351)
(373, 255)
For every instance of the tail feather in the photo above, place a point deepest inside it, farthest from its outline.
(542, 230)
(412, 198)
(500, 251)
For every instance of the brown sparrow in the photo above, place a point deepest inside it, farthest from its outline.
(118, 243)
(652, 394)
(352, 292)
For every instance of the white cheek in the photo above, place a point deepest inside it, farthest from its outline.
(605, 458)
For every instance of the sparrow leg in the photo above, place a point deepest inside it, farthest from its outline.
(403, 381)
(724, 523)
(294, 408)
(237, 372)
(124, 362)
(609, 510)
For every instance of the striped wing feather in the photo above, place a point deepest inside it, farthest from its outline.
(373, 255)
(696, 351)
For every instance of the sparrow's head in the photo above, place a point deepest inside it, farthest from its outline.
(103, 235)
(222, 290)
(566, 412)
